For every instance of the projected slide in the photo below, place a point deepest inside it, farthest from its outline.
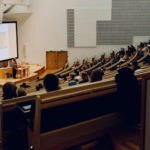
(8, 41)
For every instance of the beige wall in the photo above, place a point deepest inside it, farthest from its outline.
(47, 28)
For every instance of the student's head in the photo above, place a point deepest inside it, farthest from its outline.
(21, 92)
(9, 90)
(84, 76)
(72, 75)
(51, 82)
(125, 78)
(96, 75)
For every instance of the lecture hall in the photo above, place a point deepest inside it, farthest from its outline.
(74, 75)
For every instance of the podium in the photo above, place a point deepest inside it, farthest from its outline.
(56, 59)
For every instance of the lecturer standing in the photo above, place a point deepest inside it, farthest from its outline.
(14, 67)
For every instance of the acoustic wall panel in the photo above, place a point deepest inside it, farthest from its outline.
(129, 18)
(70, 28)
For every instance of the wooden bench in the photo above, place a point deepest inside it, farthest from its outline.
(78, 127)
(84, 125)
(11, 118)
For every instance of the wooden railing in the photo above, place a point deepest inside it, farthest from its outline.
(124, 64)
(113, 65)
(64, 70)
(105, 65)
(130, 60)
(70, 71)
(91, 68)
(142, 58)
(61, 69)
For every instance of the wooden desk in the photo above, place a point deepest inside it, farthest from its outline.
(4, 71)
(56, 59)
(22, 71)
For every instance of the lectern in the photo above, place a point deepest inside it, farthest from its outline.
(56, 59)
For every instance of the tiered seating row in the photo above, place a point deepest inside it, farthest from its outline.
(81, 98)
(91, 107)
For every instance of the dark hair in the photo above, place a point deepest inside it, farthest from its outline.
(125, 77)
(21, 92)
(72, 75)
(96, 75)
(9, 90)
(84, 77)
(51, 82)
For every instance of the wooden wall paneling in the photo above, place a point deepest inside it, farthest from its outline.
(62, 58)
(51, 58)
(56, 59)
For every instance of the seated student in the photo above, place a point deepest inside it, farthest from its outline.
(21, 92)
(84, 77)
(51, 82)
(123, 58)
(72, 80)
(96, 75)
(133, 49)
(14, 131)
(112, 54)
(122, 51)
(128, 95)
(72, 76)
(145, 47)
(9, 90)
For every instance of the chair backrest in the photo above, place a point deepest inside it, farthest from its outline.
(26, 105)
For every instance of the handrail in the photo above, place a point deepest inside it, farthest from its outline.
(142, 58)
(78, 88)
(61, 69)
(113, 65)
(64, 70)
(89, 92)
(91, 68)
(14, 101)
(70, 71)
(105, 65)
(124, 64)
(130, 60)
